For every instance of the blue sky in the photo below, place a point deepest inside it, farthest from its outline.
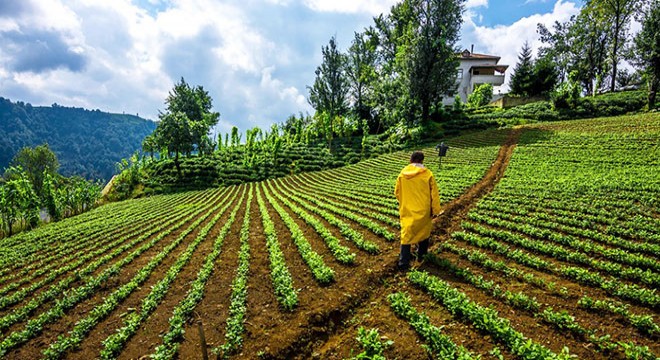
(255, 57)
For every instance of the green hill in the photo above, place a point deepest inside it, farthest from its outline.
(87, 142)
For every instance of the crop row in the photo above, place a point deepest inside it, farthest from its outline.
(92, 284)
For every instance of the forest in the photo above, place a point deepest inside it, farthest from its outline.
(88, 143)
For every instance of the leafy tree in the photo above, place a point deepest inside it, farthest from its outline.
(195, 103)
(35, 162)
(432, 59)
(545, 77)
(186, 122)
(149, 145)
(176, 134)
(567, 94)
(481, 95)
(558, 49)
(578, 46)
(647, 49)
(18, 201)
(361, 74)
(591, 38)
(330, 89)
(50, 197)
(417, 46)
(522, 79)
(618, 15)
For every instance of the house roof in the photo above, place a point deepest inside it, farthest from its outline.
(467, 55)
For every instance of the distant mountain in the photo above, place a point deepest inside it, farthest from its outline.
(87, 142)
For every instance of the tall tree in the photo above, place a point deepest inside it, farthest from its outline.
(618, 14)
(522, 79)
(330, 89)
(545, 77)
(590, 40)
(196, 104)
(176, 134)
(647, 49)
(186, 122)
(417, 48)
(432, 60)
(35, 162)
(361, 73)
(558, 45)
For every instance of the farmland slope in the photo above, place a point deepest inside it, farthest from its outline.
(548, 245)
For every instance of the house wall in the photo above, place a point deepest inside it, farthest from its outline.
(466, 83)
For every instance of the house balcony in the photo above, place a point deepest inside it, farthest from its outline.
(495, 80)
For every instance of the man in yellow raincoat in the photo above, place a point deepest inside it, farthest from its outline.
(419, 201)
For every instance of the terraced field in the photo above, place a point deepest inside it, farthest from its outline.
(548, 247)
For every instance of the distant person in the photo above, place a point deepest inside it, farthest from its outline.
(417, 193)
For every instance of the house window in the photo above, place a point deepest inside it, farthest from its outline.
(459, 76)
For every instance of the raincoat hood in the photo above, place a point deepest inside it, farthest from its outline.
(413, 170)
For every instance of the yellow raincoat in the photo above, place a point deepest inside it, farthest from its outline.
(418, 197)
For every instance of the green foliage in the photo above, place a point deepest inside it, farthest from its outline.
(416, 43)
(567, 94)
(329, 93)
(87, 143)
(19, 204)
(647, 50)
(36, 162)
(185, 124)
(522, 78)
(370, 341)
(481, 95)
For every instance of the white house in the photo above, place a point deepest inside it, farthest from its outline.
(474, 70)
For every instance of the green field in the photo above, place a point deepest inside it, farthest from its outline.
(549, 247)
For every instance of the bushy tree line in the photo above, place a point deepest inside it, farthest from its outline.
(583, 55)
(32, 183)
(394, 74)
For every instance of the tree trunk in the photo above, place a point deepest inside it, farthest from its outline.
(654, 84)
(178, 166)
(425, 111)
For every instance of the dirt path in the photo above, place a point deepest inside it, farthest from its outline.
(328, 334)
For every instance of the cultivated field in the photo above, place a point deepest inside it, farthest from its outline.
(548, 247)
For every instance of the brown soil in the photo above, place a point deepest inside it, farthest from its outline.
(324, 324)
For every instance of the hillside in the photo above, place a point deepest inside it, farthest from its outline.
(87, 143)
(548, 247)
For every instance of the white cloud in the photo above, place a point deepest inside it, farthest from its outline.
(469, 4)
(373, 7)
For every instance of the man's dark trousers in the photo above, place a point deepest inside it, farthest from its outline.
(406, 255)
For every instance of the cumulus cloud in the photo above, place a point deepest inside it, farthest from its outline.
(373, 7)
(40, 51)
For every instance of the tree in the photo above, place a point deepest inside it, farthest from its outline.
(186, 122)
(196, 104)
(330, 89)
(481, 95)
(175, 133)
(617, 14)
(361, 74)
(647, 50)
(578, 46)
(149, 145)
(18, 201)
(544, 78)
(417, 46)
(432, 59)
(34, 162)
(522, 79)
